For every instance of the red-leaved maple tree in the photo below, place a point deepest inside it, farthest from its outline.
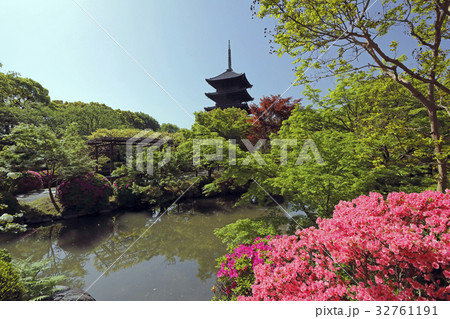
(268, 116)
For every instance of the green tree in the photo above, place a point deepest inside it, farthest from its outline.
(307, 30)
(65, 155)
(129, 119)
(217, 129)
(311, 185)
(371, 135)
(89, 116)
(36, 114)
(148, 122)
(383, 116)
(16, 90)
(137, 120)
(18, 97)
(230, 123)
(24, 100)
(170, 128)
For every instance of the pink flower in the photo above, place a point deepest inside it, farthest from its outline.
(372, 249)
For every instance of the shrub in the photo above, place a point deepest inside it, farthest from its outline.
(125, 194)
(5, 181)
(48, 177)
(371, 249)
(11, 287)
(23, 279)
(7, 223)
(4, 255)
(9, 202)
(151, 194)
(9, 210)
(87, 193)
(243, 231)
(37, 286)
(227, 186)
(236, 277)
(163, 191)
(27, 181)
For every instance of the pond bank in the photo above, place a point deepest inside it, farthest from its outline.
(40, 211)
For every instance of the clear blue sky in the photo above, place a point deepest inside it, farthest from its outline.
(179, 43)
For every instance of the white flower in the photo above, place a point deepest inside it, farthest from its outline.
(13, 175)
(7, 218)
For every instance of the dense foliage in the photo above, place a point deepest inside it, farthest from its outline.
(27, 181)
(228, 123)
(88, 192)
(382, 132)
(236, 276)
(61, 155)
(23, 279)
(268, 116)
(169, 128)
(345, 37)
(124, 194)
(365, 135)
(9, 203)
(25, 101)
(372, 249)
(11, 288)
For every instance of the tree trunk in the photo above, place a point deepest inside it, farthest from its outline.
(441, 162)
(52, 198)
(111, 158)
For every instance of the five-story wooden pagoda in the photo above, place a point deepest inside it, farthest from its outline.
(231, 89)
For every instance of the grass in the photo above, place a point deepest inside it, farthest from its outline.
(43, 207)
(40, 207)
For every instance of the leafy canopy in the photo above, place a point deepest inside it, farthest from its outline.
(341, 36)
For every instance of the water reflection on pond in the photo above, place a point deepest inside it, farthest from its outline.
(173, 260)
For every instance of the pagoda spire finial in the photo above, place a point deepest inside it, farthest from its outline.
(229, 57)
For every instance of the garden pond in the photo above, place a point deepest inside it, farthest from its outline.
(141, 256)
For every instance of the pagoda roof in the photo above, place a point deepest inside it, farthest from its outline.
(238, 95)
(229, 76)
(242, 106)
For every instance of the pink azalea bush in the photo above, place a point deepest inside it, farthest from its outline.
(27, 181)
(89, 192)
(372, 249)
(236, 276)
